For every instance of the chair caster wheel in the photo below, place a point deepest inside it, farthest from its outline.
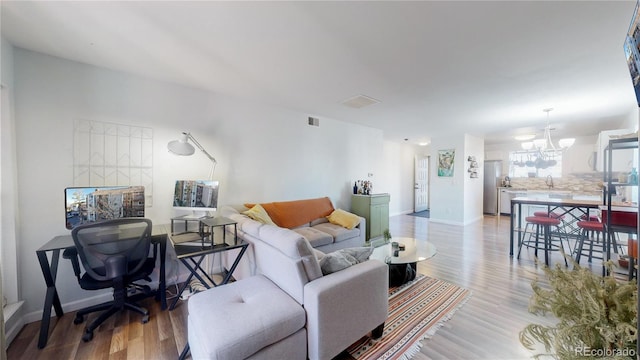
(146, 289)
(78, 319)
(87, 336)
(145, 319)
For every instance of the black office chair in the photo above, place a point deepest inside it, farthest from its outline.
(114, 253)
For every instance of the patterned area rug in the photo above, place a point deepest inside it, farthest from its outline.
(416, 310)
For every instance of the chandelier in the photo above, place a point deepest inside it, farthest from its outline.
(545, 145)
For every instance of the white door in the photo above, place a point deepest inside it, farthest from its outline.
(421, 183)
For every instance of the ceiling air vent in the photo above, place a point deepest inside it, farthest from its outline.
(359, 101)
(314, 121)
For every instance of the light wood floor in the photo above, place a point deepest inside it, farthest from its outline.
(475, 257)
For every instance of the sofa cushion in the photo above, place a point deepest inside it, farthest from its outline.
(293, 245)
(344, 219)
(258, 213)
(246, 316)
(314, 236)
(291, 214)
(317, 221)
(338, 232)
(246, 224)
(343, 258)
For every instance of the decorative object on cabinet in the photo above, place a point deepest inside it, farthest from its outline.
(375, 209)
(473, 167)
(363, 187)
(446, 160)
(183, 148)
(387, 235)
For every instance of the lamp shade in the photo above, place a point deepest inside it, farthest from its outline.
(182, 146)
(540, 143)
(527, 145)
(566, 142)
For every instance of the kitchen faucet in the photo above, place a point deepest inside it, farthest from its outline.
(549, 181)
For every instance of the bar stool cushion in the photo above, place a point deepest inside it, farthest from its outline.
(546, 214)
(591, 218)
(240, 319)
(541, 220)
(591, 225)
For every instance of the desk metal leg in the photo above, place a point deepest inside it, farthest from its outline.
(233, 267)
(49, 272)
(162, 286)
(193, 271)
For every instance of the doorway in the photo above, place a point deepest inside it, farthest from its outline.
(421, 183)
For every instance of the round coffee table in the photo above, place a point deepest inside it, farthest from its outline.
(403, 263)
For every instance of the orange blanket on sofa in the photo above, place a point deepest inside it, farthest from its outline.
(291, 214)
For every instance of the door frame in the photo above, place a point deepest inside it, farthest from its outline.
(417, 178)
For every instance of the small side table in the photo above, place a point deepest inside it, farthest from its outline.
(188, 234)
(192, 255)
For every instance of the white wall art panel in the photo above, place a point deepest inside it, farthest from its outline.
(113, 154)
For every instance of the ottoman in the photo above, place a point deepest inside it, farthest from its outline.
(247, 319)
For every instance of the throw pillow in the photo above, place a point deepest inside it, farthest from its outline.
(344, 219)
(258, 213)
(342, 259)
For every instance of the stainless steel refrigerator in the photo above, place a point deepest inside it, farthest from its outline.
(492, 180)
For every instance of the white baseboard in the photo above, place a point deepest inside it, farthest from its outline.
(447, 222)
(12, 314)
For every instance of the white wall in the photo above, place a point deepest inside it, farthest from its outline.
(264, 153)
(8, 244)
(457, 200)
(397, 178)
(447, 193)
(473, 187)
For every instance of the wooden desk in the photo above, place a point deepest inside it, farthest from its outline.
(50, 271)
(564, 205)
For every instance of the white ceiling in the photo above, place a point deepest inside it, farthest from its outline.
(437, 68)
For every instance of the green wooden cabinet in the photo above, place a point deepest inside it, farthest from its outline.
(375, 209)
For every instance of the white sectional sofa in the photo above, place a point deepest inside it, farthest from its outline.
(307, 218)
(338, 308)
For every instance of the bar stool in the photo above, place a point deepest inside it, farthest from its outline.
(542, 223)
(548, 214)
(589, 227)
(591, 218)
(561, 229)
(593, 228)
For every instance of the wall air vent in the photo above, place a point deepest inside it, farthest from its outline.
(314, 121)
(359, 101)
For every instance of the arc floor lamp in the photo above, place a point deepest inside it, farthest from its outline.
(182, 147)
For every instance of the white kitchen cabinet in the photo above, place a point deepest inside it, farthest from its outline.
(505, 201)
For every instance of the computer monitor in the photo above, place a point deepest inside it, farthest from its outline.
(99, 203)
(197, 196)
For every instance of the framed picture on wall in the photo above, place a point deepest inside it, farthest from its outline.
(446, 159)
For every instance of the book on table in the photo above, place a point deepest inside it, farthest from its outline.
(188, 239)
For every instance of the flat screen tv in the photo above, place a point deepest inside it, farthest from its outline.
(632, 52)
(85, 205)
(197, 196)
